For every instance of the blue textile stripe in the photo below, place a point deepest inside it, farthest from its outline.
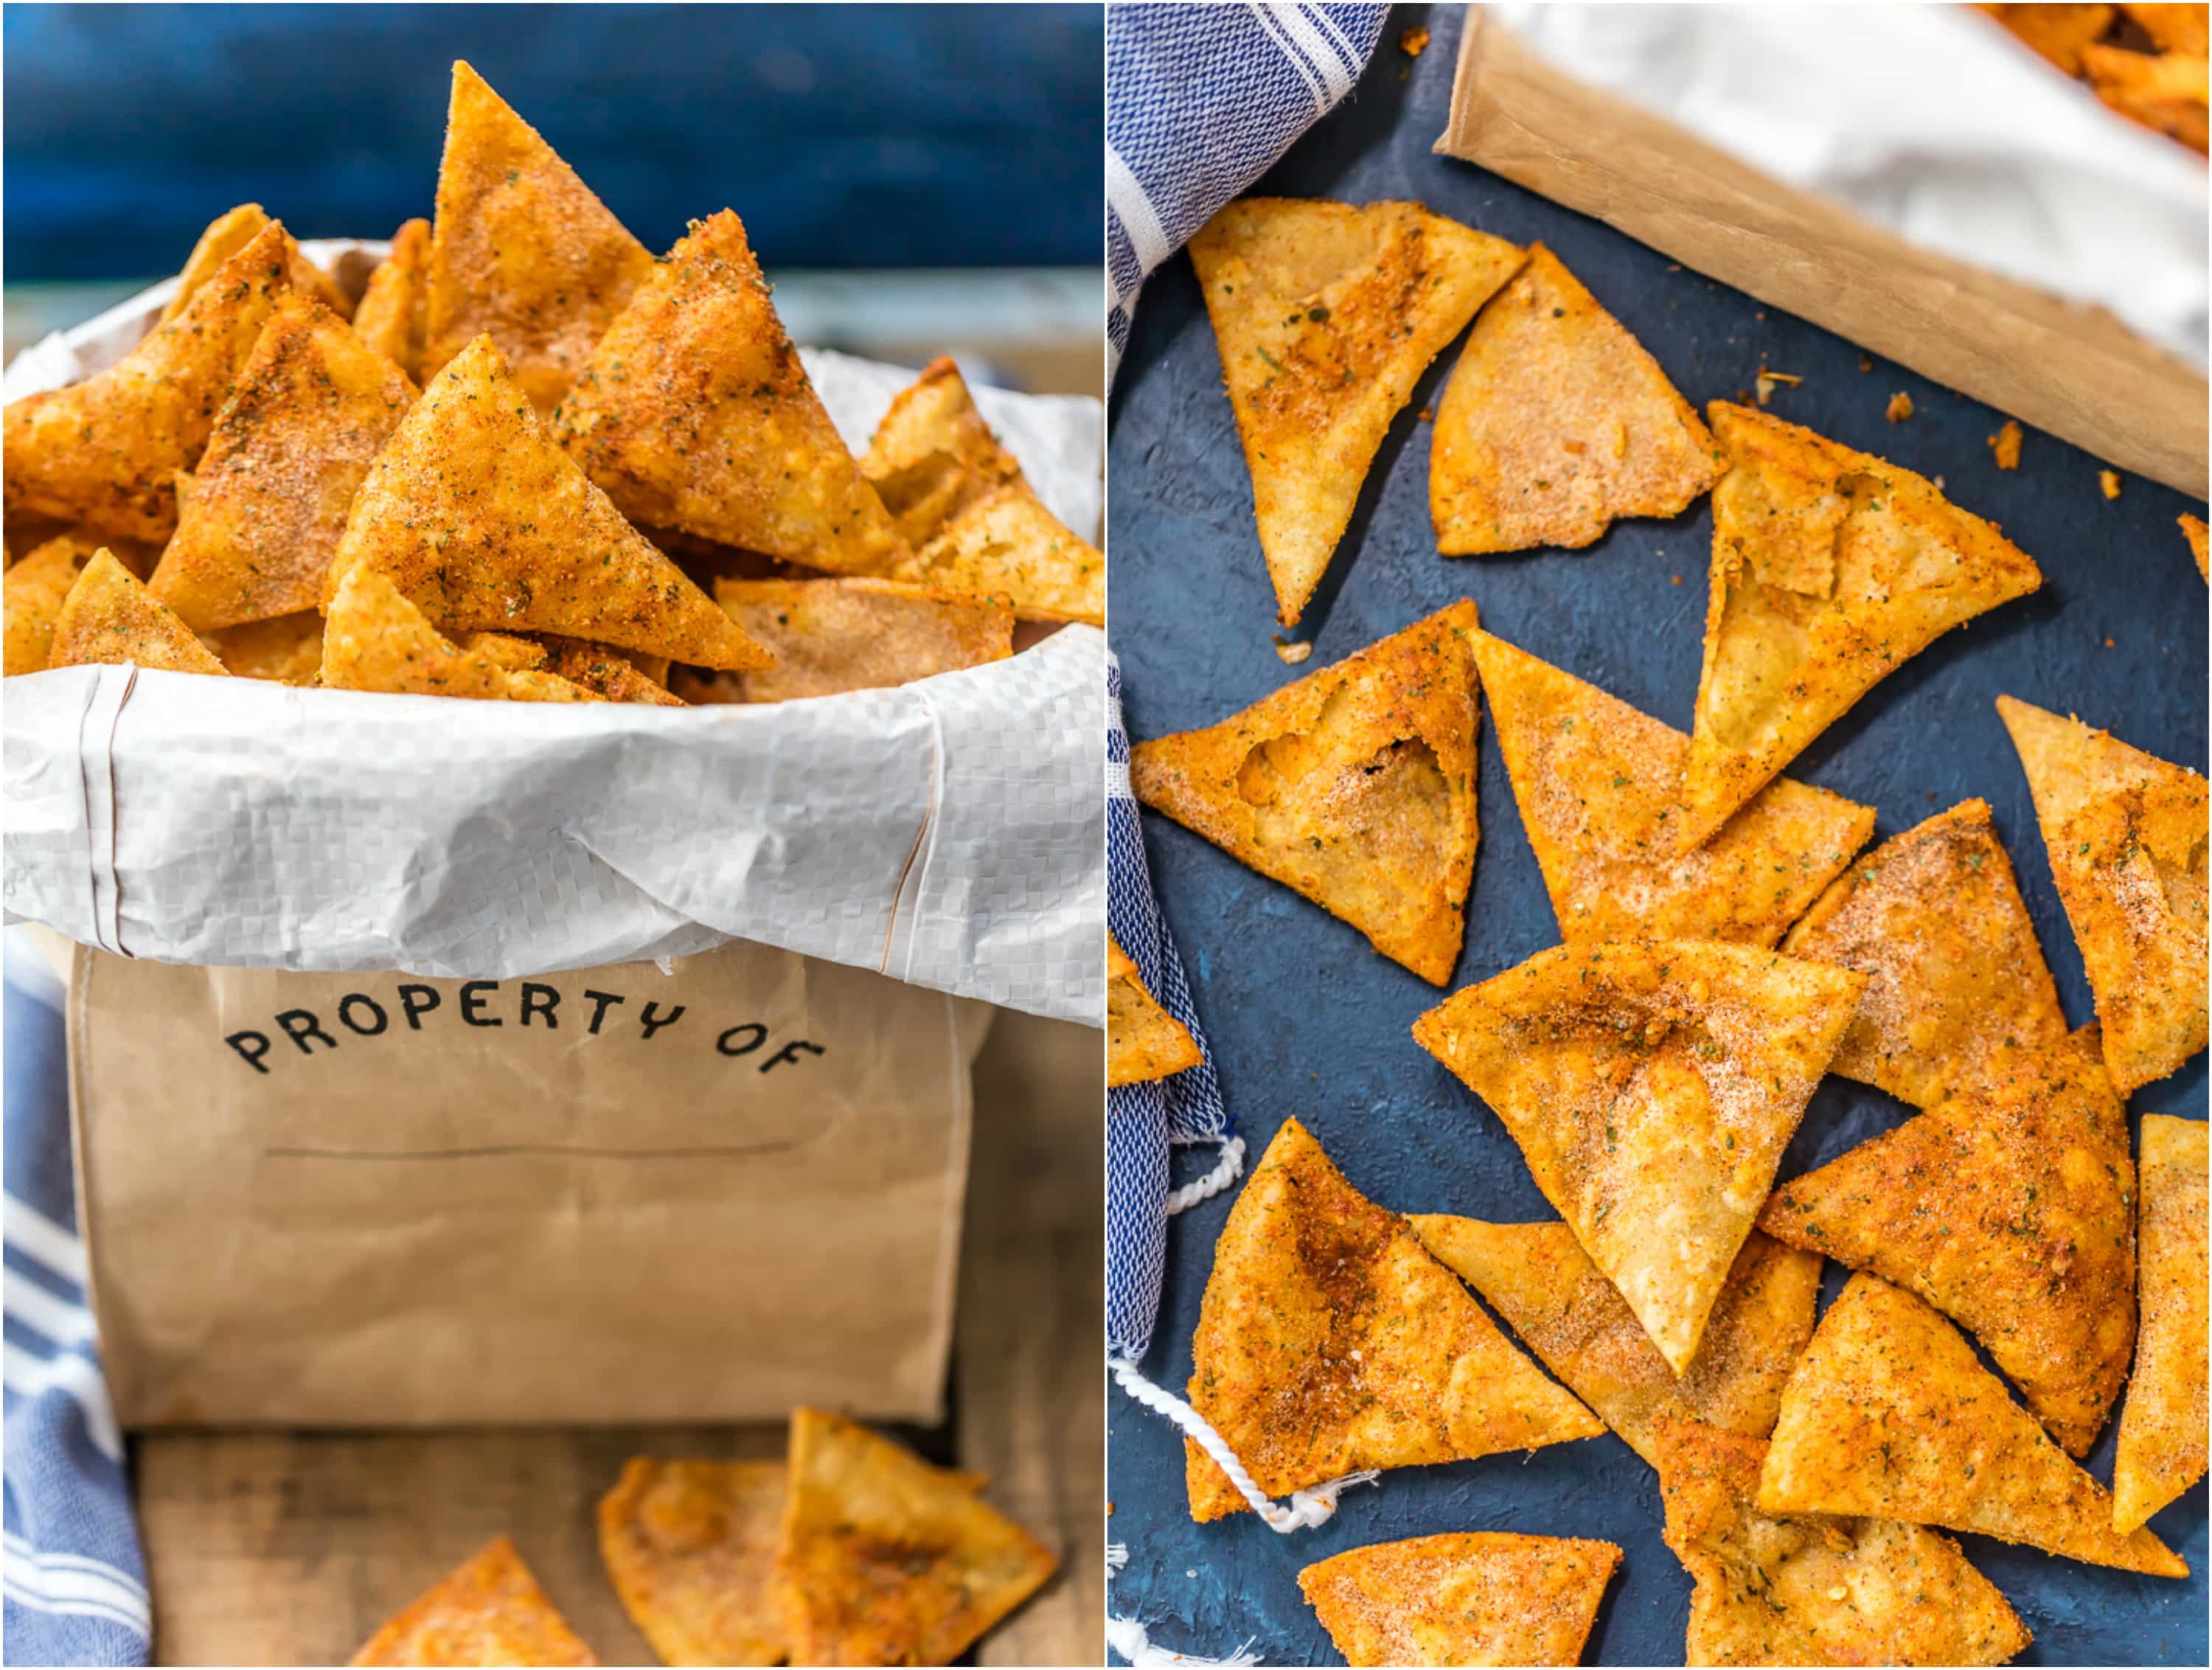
(1201, 100)
(75, 1582)
(1144, 1121)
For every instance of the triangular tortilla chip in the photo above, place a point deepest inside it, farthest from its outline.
(1326, 316)
(110, 618)
(607, 671)
(1889, 1414)
(1329, 1342)
(311, 410)
(1143, 1041)
(2007, 1209)
(288, 650)
(1831, 569)
(1354, 786)
(1537, 1276)
(375, 640)
(1600, 789)
(390, 318)
(521, 250)
(487, 1610)
(1009, 545)
(104, 453)
(1465, 1597)
(2126, 836)
(2193, 530)
(2161, 1452)
(1956, 978)
(833, 635)
(1652, 1084)
(35, 587)
(1815, 1590)
(2168, 91)
(689, 1546)
(231, 232)
(695, 413)
(1557, 423)
(886, 1559)
(485, 525)
(2172, 28)
(932, 456)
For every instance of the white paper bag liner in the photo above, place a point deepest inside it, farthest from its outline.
(949, 832)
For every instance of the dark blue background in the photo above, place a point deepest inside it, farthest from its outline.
(1306, 1019)
(881, 136)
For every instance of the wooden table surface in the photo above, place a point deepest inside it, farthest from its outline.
(290, 1548)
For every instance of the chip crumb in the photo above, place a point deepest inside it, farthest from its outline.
(2005, 443)
(2110, 481)
(1865, 364)
(1901, 407)
(1939, 483)
(1293, 652)
(1414, 42)
(1767, 378)
(1674, 579)
(1428, 414)
(2110, 644)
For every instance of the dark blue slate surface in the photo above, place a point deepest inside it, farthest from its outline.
(1306, 1019)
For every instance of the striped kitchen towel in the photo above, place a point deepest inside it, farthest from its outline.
(1199, 102)
(76, 1585)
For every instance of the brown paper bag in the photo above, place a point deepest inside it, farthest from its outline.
(610, 1195)
(2073, 371)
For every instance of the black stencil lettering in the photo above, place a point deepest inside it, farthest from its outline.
(652, 1025)
(345, 1013)
(540, 1000)
(755, 1034)
(601, 1002)
(475, 993)
(418, 1001)
(252, 1046)
(790, 1053)
(301, 1027)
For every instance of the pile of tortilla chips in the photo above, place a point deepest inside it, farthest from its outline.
(852, 1550)
(282, 482)
(2146, 62)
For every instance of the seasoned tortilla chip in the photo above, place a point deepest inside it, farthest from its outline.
(1956, 978)
(110, 618)
(2193, 530)
(2165, 90)
(932, 456)
(35, 587)
(2009, 1209)
(1557, 423)
(886, 1559)
(487, 1610)
(1465, 1597)
(2126, 836)
(311, 410)
(288, 650)
(1600, 789)
(689, 1546)
(1814, 1589)
(229, 233)
(1831, 569)
(1652, 1086)
(1143, 1041)
(2172, 28)
(1329, 1342)
(485, 525)
(2161, 1451)
(1326, 316)
(1537, 1276)
(375, 640)
(2057, 32)
(1355, 785)
(858, 634)
(390, 318)
(104, 453)
(521, 250)
(1889, 1414)
(607, 671)
(695, 413)
(1009, 545)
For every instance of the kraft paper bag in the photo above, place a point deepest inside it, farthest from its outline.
(610, 1195)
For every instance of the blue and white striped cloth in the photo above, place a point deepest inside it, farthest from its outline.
(75, 1584)
(1201, 100)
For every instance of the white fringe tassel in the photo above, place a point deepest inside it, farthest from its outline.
(1126, 1636)
(1230, 1168)
(1117, 1556)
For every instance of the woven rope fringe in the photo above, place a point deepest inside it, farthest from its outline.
(1230, 1168)
(1126, 1636)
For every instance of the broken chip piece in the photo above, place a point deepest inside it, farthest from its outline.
(489, 1610)
(390, 318)
(1465, 1597)
(1329, 1342)
(1600, 789)
(375, 640)
(607, 671)
(1355, 785)
(1325, 315)
(2007, 1208)
(1652, 1086)
(2193, 530)
(2126, 836)
(2058, 33)
(1831, 568)
(689, 1548)
(35, 586)
(858, 633)
(2168, 91)
(1888, 1413)
(1955, 977)
(2161, 1449)
(886, 1559)
(1007, 544)
(286, 649)
(1538, 1278)
(1557, 423)
(932, 455)
(109, 617)
(231, 232)
(1143, 1041)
